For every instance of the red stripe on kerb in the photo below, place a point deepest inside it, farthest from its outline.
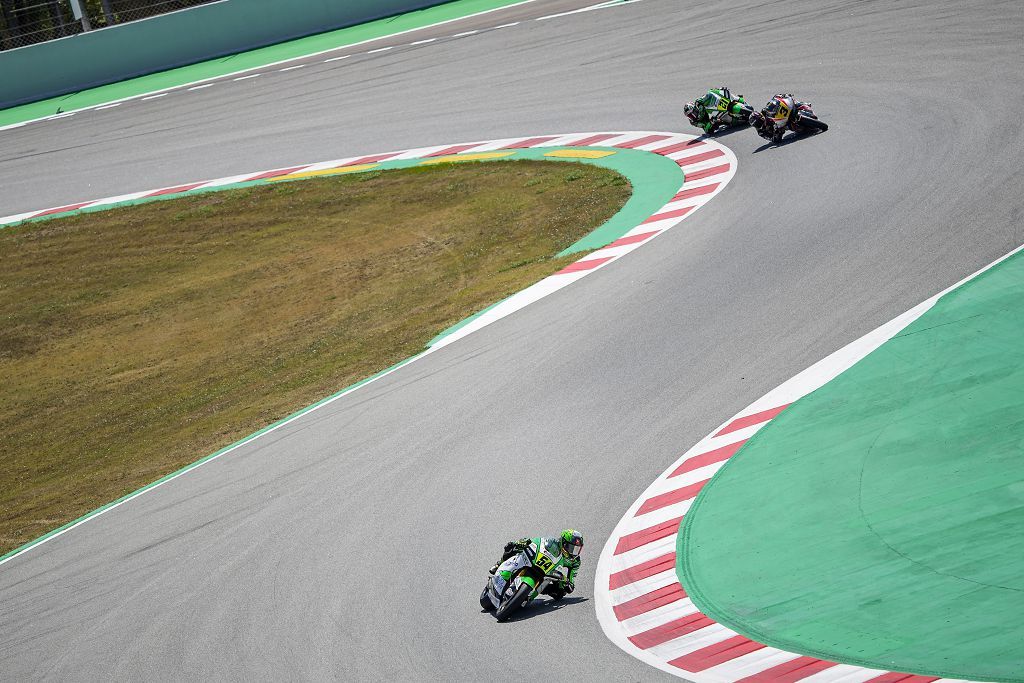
(648, 535)
(584, 265)
(369, 160)
(894, 677)
(652, 600)
(529, 142)
(679, 146)
(274, 174)
(673, 629)
(646, 140)
(61, 209)
(708, 458)
(174, 190)
(696, 191)
(593, 140)
(633, 239)
(696, 158)
(676, 213)
(716, 654)
(454, 150)
(750, 420)
(789, 672)
(642, 571)
(670, 498)
(707, 172)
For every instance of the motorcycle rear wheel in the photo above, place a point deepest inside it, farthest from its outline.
(513, 604)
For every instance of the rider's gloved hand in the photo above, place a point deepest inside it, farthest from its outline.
(510, 546)
(569, 587)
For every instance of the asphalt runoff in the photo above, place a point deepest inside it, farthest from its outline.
(353, 544)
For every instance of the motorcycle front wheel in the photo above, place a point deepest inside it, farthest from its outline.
(485, 600)
(811, 123)
(513, 604)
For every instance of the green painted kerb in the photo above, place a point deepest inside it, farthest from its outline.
(880, 520)
(654, 178)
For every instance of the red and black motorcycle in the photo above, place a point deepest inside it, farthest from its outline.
(783, 112)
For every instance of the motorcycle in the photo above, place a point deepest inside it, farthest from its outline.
(784, 113)
(723, 109)
(533, 570)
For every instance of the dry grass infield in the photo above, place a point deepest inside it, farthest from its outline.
(136, 340)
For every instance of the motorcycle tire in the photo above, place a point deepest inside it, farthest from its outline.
(513, 604)
(485, 601)
(812, 123)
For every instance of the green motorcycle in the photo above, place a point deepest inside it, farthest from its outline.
(523, 576)
(719, 108)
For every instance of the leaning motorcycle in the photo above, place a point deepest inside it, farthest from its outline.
(529, 572)
(784, 113)
(723, 109)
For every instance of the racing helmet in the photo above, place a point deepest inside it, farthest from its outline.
(572, 543)
(779, 107)
(690, 109)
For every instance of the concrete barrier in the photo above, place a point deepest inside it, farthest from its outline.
(185, 37)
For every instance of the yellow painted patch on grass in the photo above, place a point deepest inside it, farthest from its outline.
(579, 154)
(325, 171)
(467, 157)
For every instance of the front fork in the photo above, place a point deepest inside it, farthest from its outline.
(511, 567)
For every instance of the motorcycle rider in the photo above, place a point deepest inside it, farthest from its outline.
(570, 542)
(778, 105)
(704, 113)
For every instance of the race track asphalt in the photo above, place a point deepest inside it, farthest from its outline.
(352, 543)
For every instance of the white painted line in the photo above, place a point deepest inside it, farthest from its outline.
(62, 115)
(602, 5)
(514, 23)
(200, 87)
(153, 97)
(465, 33)
(293, 68)
(291, 59)
(423, 42)
(243, 78)
(335, 59)
(109, 106)
(380, 49)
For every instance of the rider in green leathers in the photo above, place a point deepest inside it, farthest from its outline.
(569, 542)
(719, 107)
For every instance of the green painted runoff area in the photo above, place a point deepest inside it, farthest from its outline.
(880, 519)
(251, 59)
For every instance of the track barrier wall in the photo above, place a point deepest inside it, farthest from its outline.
(171, 40)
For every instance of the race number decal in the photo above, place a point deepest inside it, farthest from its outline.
(545, 563)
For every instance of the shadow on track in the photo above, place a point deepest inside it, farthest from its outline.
(539, 608)
(788, 140)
